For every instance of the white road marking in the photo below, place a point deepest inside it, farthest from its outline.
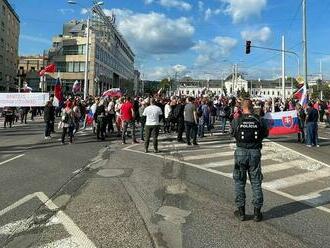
(210, 155)
(11, 159)
(77, 235)
(228, 162)
(298, 179)
(174, 144)
(317, 198)
(298, 153)
(283, 166)
(20, 226)
(62, 243)
(305, 200)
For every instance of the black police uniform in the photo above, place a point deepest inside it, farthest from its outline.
(249, 131)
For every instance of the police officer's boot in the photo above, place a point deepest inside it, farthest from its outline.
(240, 213)
(257, 215)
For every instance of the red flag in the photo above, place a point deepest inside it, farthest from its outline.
(58, 94)
(49, 68)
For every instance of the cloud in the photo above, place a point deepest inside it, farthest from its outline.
(154, 33)
(262, 35)
(176, 4)
(65, 11)
(209, 13)
(241, 10)
(84, 11)
(212, 51)
(161, 72)
(35, 39)
(200, 6)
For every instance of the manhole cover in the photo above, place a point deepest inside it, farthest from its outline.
(110, 172)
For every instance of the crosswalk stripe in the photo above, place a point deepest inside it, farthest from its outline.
(281, 166)
(201, 143)
(211, 155)
(229, 162)
(62, 243)
(185, 150)
(297, 179)
(317, 198)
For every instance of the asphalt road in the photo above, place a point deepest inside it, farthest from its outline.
(182, 197)
(30, 164)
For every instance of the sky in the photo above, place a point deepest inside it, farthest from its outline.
(196, 38)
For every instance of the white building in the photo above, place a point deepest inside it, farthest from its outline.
(231, 85)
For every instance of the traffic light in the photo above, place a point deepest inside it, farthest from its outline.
(248, 47)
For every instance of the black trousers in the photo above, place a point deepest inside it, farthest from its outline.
(111, 118)
(69, 131)
(180, 129)
(101, 127)
(191, 131)
(48, 128)
(154, 131)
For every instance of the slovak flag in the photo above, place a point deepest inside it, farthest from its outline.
(302, 95)
(89, 118)
(58, 94)
(76, 87)
(282, 123)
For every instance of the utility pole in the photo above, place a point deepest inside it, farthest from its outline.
(321, 74)
(305, 41)
(283, 68)
(86, 60)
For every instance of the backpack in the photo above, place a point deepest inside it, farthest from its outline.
(248, 129)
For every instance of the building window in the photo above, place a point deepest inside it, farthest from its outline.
(76, 67)
(82, 66)
(69, 66)
(61, 66)
(3, 26)
(74, 50)
(0, 76)
(3, 10)
(1, 59)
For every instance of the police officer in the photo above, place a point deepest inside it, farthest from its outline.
(249, 131)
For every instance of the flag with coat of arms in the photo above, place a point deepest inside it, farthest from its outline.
(282, 123)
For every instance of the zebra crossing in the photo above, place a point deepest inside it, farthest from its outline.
(53, 220)
(285, 171)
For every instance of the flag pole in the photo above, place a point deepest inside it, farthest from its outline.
(305, 42)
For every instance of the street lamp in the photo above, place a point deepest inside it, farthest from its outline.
(87, 43)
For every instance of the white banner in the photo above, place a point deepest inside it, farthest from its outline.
(23, 99)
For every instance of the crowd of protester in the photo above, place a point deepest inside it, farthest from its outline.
(121, 116)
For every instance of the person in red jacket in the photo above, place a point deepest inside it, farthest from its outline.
(128, 118)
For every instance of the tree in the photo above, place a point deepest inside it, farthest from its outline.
(165, 84)
(224, 90)
(244, 94)
(316, 91)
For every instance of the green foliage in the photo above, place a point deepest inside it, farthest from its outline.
(243, 94)
(316, 91)
(165, 84)
(224, 90)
